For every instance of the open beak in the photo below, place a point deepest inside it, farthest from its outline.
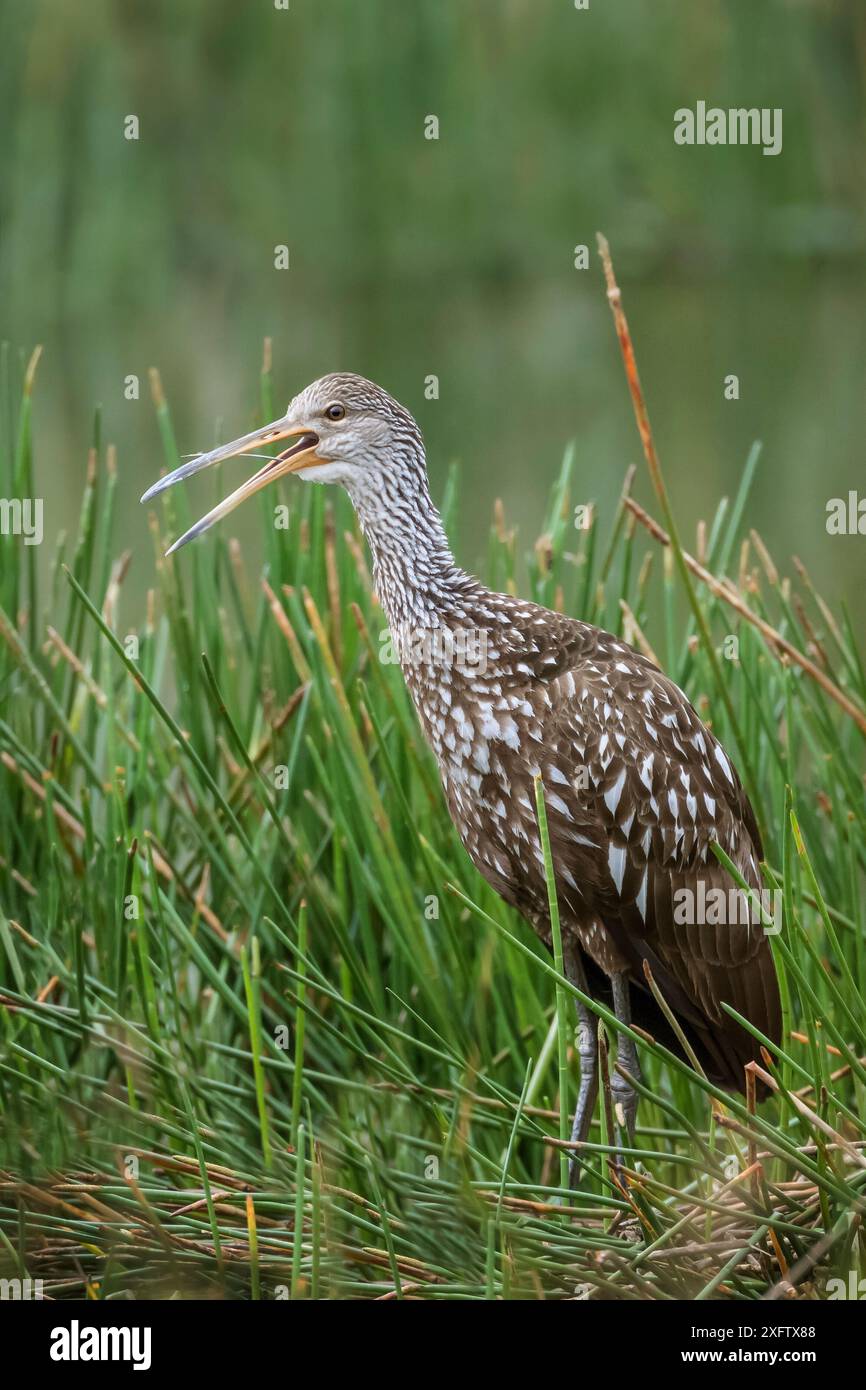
(300, 455)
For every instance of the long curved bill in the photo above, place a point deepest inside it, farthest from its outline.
(300, 455)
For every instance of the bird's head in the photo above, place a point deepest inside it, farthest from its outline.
(345, 430)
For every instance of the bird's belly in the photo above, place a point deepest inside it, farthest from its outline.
(499, 832)
(598, 944)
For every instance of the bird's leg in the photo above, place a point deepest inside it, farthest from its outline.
(624, 1095)
(587, 1051)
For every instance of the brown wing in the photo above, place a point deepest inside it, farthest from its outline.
(634, 839)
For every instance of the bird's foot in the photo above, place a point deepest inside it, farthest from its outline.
(575, 1172)
(623, 1095)
(624, 1098)
(586, 1097)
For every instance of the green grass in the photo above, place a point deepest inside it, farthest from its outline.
(263, 1029)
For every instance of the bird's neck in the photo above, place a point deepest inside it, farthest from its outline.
(417, 581)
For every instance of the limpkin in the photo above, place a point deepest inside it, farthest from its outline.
(635, 784)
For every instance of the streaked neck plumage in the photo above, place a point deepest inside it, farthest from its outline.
(416, 578)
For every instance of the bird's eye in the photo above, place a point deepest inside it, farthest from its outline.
(335, 412)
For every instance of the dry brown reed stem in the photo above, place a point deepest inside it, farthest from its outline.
(725, 590)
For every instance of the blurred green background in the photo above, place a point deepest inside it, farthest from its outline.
(409, 257)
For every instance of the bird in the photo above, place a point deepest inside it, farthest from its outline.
(636, 786)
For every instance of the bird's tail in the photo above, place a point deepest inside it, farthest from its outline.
(723, 1050)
